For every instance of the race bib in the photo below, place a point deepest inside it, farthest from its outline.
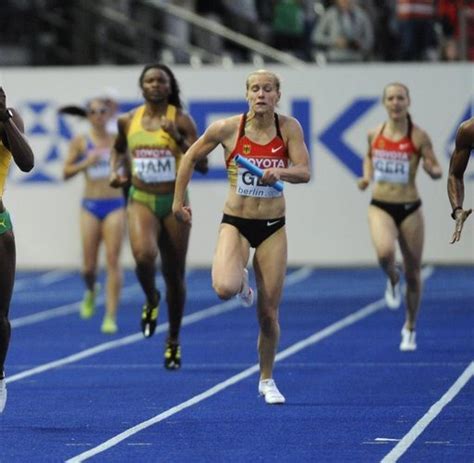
(391, 166)
(249, 184)
(155, 169)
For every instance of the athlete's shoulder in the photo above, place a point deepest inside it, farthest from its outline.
(467, 127)
(80, 139)
(285, 119)
(377, 129)
(125, 119)
(465, 135)
(226, 125)
(374, 132)
(288, 124)
(419, 135)
(182, 114)
(130, 114)
(78, 144)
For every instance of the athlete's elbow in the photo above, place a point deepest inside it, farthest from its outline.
(306, 176)
(67, 174)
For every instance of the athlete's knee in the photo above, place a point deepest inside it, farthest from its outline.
(173, 274)
(386, 259)
(224, 290)
(113, 260)
(413, 278)
(89, 274)
(175, 286)
(145, 256)
(269, 323)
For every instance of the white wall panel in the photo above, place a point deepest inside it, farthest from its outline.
(327, 219)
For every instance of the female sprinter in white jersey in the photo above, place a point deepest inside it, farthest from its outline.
(102, 212)
(254, 211)
(395, 150)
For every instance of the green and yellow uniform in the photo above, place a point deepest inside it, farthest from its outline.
(5, 160)
(155, 159)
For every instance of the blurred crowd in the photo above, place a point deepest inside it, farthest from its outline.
(350, 30)
(51, 32)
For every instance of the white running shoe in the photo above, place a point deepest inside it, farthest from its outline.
(246, 294)
(269, 390)
(408, 340)
(393, 295)
(3, 394)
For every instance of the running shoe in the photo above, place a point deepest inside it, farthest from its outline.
(393, 295)
(268, 389)
(109, 325)
(88, 303)
(408, 343)
(246, 295)
(149, 318)
(172, 356)
(3, 393)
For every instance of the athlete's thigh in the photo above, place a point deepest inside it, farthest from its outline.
(383, 230)
(231, 256)
(411, 239)
(270, 261)
(144, 229)
(173, 242)
(91, 236)
(113, 229)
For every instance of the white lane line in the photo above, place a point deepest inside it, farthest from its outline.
(45, 315)
(303, 344)
(297, 276)
(45, 279)
(54, 276)
(75, 357)
(66, 309)
(73, 307)
(430, 415)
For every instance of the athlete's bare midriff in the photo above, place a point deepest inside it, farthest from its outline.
(100, 188)
(254, 208)
(154, 188)
(395, 193)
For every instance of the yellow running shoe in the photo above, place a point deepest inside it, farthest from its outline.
(88, 303)
(172, 356)
(149, 318)
(109, 325)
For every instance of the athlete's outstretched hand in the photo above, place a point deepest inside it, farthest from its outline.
(460, 216)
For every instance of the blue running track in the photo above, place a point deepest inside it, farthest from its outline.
(75, 394)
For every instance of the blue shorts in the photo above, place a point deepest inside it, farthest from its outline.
(101, 208)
